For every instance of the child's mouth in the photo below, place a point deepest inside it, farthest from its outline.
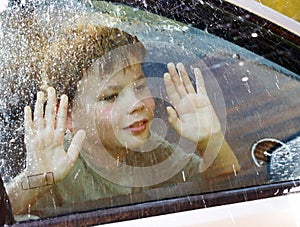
(137, 127)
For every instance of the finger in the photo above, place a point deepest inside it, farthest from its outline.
(29, 132)
(62, 116)
(173, 72)
(200, 85)
(76, 146)
(173, 96)
(39, 111)
(50, 108)
(28, 125)
(174, 120)
(175, 78)
(185, 78)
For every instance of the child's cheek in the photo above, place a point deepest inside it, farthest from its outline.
(150, 104)
(105, 113)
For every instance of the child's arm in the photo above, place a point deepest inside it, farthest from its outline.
(47, 161)
(194, 118)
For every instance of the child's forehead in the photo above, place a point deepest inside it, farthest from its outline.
(128, 74)
(118, 76)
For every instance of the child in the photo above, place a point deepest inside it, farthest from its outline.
(106, 105)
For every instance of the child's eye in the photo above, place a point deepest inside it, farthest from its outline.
(109, 98)
(140, 88)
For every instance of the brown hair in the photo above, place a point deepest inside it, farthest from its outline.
(76, 49)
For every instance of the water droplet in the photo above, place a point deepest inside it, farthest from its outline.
(254, 34)
(241, 63)
(245, 79)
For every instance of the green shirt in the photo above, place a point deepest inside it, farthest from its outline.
(84, 184)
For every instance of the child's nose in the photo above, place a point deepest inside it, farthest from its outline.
(137, 106)
(135, 102)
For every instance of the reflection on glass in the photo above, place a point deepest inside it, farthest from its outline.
(127, 121)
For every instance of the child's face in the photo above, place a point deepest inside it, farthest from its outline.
(120, 109)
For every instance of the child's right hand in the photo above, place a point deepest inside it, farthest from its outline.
(44, 138)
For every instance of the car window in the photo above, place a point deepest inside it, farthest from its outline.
(253, 99)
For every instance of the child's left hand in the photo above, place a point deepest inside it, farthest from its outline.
(192, 115)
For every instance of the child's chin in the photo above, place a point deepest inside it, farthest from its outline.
(135, 143)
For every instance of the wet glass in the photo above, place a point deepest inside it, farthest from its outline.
(253, 98)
